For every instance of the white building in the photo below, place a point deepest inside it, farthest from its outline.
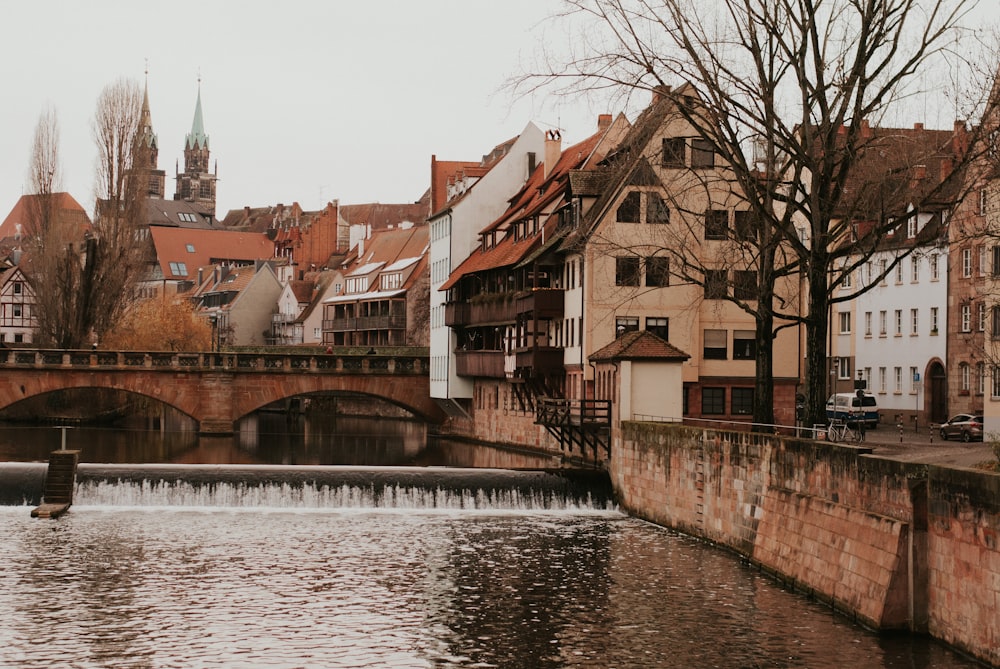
(474, 195)
(899, 334)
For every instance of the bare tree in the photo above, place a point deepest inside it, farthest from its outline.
(115, 256)
(51, 238)
(83, 281)
(786, 91)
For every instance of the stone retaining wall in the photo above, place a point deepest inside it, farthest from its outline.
(892, 544)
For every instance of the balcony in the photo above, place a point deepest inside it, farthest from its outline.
(541, 361)
(544, 303)
(396, 322)
(480, 363)
(491, 310)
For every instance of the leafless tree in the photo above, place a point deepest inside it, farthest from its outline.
(116, 253)
(83, 279)
(787, 89)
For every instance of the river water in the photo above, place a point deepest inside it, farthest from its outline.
(277, 574)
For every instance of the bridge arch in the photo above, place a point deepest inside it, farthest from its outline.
(217, 390)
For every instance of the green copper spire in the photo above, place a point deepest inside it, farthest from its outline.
(197, 137)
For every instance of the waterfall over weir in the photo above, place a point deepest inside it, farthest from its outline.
(315, 487)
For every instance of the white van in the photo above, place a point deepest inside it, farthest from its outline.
(854, 408)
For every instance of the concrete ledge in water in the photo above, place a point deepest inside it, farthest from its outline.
(49, 510)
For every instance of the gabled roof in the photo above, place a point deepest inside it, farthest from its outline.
(178, 214)
(446, 173)
(539, 196)
(199, 248)
(21, 212)
(380, 216)
(639, 345)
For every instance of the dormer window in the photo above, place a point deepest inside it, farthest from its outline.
(392, 281)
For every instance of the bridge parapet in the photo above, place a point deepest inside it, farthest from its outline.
(213, 361)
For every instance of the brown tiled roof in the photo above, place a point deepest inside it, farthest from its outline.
(444, 172)
(639, 345)
(178, 214)
(385, 216)
(65, 203)
(303, 290)
(535, 197)
(198, 248)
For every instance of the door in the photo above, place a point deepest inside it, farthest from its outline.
(938, 405)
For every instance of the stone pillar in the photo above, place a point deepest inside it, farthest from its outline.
(215, 404)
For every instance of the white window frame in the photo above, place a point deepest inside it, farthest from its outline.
(914, 321)
(868, 324)
(899, 322)
(966, 263)
(935, 271)
(966, 315)
(934, 320)
(898, 375)
(845, 322)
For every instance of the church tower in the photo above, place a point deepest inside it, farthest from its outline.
(196, 184)
(156, 178)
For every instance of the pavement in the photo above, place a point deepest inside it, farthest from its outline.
(927, 447)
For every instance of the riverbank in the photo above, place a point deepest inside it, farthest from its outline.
(894, 534)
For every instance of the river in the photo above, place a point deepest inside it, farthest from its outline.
(279, 575)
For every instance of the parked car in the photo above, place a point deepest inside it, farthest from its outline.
(964, 426)
(854, 408)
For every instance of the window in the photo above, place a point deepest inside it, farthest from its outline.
(881, 379)
(898, 375)
(189, 248)
(843, 368)
(18, 287)
(899, 322)
(716, 223)
(845, 322)
(715, 284)
(656, 209)
(713, 401)
(966, 318)
(658, 326)
(964, 377)
(982, 201)
(934, 267)
(934, 320)
(16, 310)
(914, 380)
(980, 378)
(995, 392)
(995, 322)
(846, 276)
(742, 401)
(914, 321)
(868, 324)
(745, 225)
(628, 210)
(744, 345)
(881, 323)
(673, 152)
(966, 262)
(899, 272)
(627, 271)
(981, 316)
(715, 345)
(178, 269)
(702, 153)
(745, 285)
(625, 324)
(983, 266)
(657, 271)
(883, 270)
(996, 261)
(915, 269)
(392, 281)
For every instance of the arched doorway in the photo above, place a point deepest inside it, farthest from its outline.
(937, 397)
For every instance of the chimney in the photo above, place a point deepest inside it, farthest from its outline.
(866, 129)
(660, 92)
(946, 168)
(603, 122)
(246, 211)
(553, 149)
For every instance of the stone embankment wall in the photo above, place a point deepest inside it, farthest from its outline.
(895, 545)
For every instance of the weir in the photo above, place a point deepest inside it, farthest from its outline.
(334, 487)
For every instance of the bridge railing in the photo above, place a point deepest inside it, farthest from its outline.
(215, 361)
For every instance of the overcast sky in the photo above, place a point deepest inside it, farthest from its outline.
(303, 101)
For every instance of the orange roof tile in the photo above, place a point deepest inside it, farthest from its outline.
(197, 248)
(639, 345)
(19, 214)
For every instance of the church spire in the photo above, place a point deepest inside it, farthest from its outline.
(156, 177)
(197, 139)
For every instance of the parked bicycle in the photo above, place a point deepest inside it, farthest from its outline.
(841, 430)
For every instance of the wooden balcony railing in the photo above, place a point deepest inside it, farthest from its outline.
(487, 364)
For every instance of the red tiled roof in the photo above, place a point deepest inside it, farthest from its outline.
(639, 345)
(198, 248)
(19, 214)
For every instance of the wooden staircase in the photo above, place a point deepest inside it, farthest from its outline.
(60, 479)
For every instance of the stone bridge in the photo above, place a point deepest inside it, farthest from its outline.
(217, 389)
